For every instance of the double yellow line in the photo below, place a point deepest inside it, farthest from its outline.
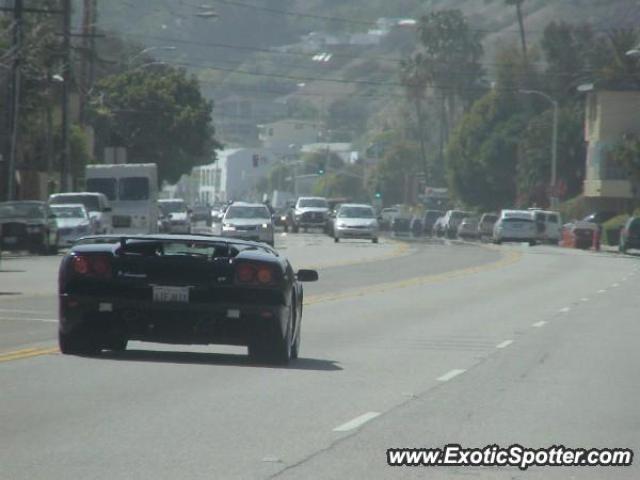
(26, 353)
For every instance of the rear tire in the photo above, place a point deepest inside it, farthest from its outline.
(270, 344)
(118, 344)
(75, 343)
(336, 239)
(374, 240)
(295, 228)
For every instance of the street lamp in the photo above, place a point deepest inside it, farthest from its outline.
(150, 49)
(554, 142)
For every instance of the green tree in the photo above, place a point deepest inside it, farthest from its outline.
(159, 115)
(482, 154)
(400, 163)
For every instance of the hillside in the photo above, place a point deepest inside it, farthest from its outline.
(254, 49)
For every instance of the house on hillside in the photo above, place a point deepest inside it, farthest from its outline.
(610, 116)
(281, 134)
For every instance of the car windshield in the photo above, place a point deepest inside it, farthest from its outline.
(356, 212)
(242, 212)
(90, 202)
(133, 188)
(172, 207)
(69, 212)
(22, 210)
(107, 186)
(490, 218)
(313, 203)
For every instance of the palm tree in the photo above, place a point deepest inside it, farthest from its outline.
(523, 37)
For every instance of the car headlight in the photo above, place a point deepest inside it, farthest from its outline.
(228, 227)
(341, 225)
(283, 218)
(265, 225)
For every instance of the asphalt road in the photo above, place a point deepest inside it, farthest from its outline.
(414, 346)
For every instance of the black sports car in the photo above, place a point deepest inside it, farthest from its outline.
(186, 289)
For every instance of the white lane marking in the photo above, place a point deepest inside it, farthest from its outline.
(539, 324)
(356, 422)
(602, 291)
(450, 374)
(615, 285)
(565, 310)
(504, 344)
(23, 319)
(584, 299)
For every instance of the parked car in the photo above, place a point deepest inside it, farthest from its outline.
(630, 235)
(249, 221)
(28, 225)
(468, 228)
(600, 217)
(356, 221)
(579, 234)
(186, 289)
(452, 220)
(97, 204)
(429, 220)
(439, 227)
(178, 213)
(486, 223)
(387, 215)
(515, 226)
(73, 223)
(309, 212)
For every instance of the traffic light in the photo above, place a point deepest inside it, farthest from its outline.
(378, 195)
(378, 192)
(320, 168)
(256, 160)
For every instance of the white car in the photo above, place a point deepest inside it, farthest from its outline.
(73, 222)
(177, 213)
(515, 226)
(97, 206)
(549, 226)
(249, 221)
(355, 220)
(310, 212)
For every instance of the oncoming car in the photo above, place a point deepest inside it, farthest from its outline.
(249, 221)
(176, 213)
(73, 222)
(186, 289)
(356, 221)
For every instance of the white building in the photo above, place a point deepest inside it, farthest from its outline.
(279, 135)
(233, 176)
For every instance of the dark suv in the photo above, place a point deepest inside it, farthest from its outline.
(28, 225)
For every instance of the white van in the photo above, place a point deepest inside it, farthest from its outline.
(132, 190)
(97, 204)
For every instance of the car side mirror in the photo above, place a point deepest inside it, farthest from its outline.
(307, 275)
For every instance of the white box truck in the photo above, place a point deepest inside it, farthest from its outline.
(132, 189)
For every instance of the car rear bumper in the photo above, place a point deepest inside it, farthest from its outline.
(254, 235)
(166, 322)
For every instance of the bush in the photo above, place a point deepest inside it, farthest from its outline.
(614, 225)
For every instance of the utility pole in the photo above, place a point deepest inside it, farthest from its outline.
(65, 162)
(14, 107)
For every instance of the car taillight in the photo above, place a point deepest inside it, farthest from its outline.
(254, 274)
(97, 266)
(245, 273)
(81, 265)
(264, 275)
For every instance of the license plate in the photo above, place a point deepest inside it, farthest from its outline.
(11, 240)
(170, 294)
